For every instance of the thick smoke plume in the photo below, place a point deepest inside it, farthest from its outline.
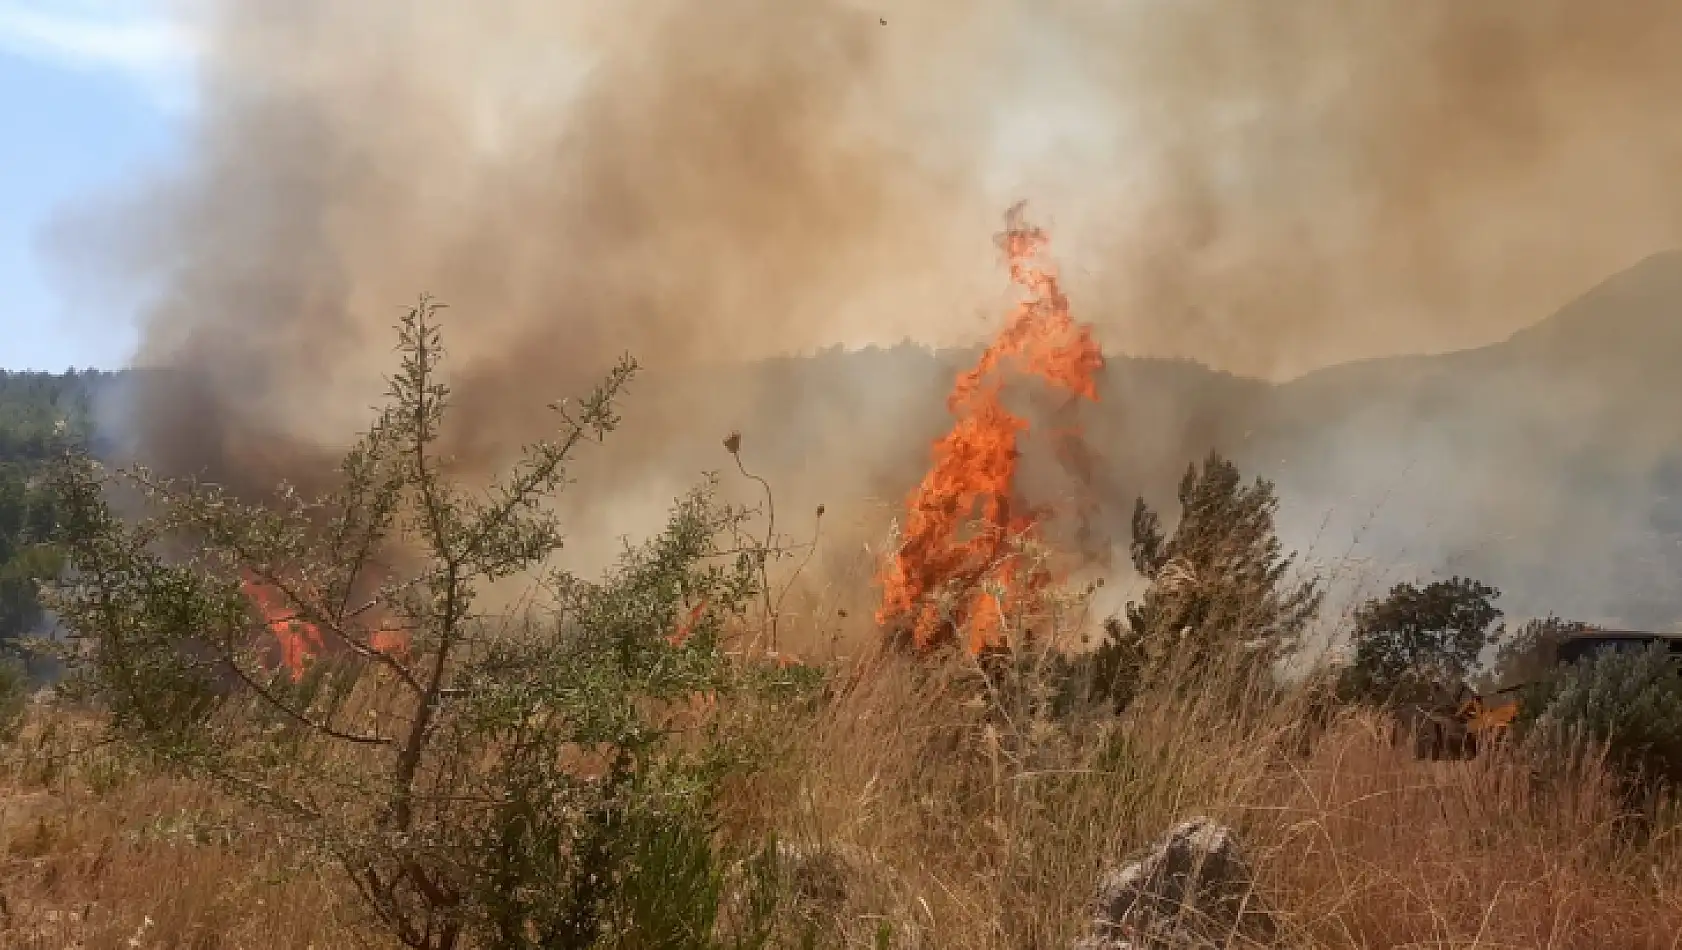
(1265, 187)
(688, 182)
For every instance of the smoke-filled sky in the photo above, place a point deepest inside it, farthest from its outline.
(1265, 187)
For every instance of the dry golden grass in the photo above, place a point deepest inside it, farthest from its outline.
(961, 828)
(96, 854)
(951, 817)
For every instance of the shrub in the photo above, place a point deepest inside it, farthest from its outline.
(507, 784)
(1627, 701)
(1532, 652)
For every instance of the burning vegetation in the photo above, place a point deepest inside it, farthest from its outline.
(615, 769)
(298, 639)
(619, 766)
(960, 570)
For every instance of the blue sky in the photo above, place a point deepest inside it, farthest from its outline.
(94, 95)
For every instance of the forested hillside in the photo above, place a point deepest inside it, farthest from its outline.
(33, 407)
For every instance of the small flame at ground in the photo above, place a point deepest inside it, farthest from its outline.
(976, 572)
(686, 626)
(298, 639)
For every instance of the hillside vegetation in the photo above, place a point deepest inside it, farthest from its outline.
(39, 413)
(300, 724)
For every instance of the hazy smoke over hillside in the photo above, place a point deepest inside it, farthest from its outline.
(1316, 181)
(1266, 187)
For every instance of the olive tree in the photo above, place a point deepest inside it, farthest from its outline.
(1417, 642)
(506, 781)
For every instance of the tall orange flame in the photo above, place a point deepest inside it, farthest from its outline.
(974, 466)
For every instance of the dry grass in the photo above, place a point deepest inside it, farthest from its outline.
(98, 854)
(1371, 848)
(931, 809)
(960, 828)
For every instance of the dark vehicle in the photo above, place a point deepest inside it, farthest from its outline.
(1584, 645)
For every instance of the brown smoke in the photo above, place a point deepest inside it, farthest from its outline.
(1315, 181)
(1266, 187)
(686, 182)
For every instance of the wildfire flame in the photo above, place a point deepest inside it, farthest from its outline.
(974, 465)
(300, 640)
(686, 626)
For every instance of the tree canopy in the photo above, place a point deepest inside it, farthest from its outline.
(1421, 641)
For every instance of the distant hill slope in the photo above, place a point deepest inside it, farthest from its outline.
(1550, 463)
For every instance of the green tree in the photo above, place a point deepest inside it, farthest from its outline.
(1219, 582)
(37, 408)
(507, 784)
(1420, 642)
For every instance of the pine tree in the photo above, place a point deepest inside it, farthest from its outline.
(1219, 582)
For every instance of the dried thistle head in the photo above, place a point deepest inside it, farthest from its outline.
(733, 442)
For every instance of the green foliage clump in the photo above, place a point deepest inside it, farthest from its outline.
(28, 552)
(1419, 643)
(1217, 584)
(1627, 701)
(540, 779)
(1531, 653)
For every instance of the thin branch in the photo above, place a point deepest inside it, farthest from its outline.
(734, 445)
(811, 550)
(297, 807)
(287, 709)
(521, 489)
(517, 493)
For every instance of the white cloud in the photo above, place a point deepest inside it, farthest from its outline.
(135, 39)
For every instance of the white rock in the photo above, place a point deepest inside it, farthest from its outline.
(1192, 889)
